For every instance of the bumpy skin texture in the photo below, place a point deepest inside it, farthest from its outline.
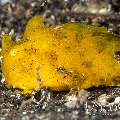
(73, 55)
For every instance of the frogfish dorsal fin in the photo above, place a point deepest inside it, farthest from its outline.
(37, 22)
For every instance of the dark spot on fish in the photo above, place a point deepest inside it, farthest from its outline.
(78, 77)
(26, 39)
(78, 37)
(30, 64)
(116, 80)
(52, 55)
(87, 64)
(100, 46)
(58, 35)
(61, 69)
(81, 54)
(19, 59)
(30, 50)
(98, 33)
(67, 47)
(102, 80)
(64, 36)
(25, 49)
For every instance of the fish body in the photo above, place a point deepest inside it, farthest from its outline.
(73, 55)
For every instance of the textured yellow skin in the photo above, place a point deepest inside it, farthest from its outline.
(73, 55)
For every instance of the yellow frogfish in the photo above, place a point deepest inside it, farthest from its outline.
(73, 55)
